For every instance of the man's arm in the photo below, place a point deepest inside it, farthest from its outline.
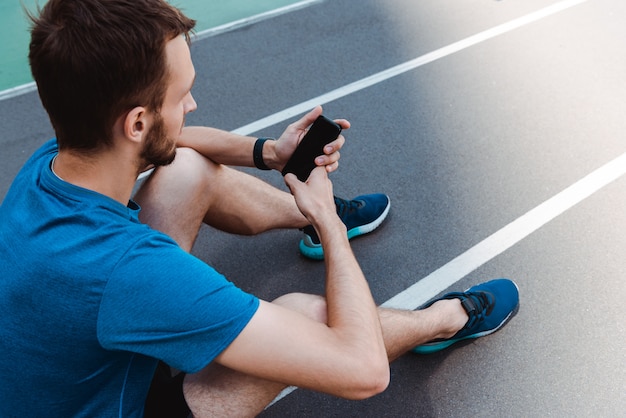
(345, 357)
(220, 146)
(236, 150)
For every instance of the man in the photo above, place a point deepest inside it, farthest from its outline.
(95, 294)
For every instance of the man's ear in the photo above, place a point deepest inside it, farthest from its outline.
(135, 124)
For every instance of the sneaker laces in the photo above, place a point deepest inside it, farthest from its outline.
(478, 306)
(347, 207)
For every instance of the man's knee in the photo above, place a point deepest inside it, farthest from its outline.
(190, 164)
(189, 171)
(175, 198)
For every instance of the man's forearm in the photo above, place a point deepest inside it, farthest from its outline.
(219, 146)
(350, 305)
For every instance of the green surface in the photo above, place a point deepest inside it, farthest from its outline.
(14, 70)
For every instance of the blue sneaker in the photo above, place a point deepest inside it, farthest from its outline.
(489, 306)
(361, 215)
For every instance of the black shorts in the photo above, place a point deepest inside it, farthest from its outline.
(165, 398)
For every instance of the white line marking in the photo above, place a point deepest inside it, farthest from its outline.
(18, 91)
(404, 67)
(497, 243)
(254, 19)
(506, 237)
(237, 24)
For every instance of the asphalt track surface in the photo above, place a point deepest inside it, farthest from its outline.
(497, 129)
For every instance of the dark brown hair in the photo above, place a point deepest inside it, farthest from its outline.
(94, 60)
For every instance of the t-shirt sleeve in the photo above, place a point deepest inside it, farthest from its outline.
(167, 304)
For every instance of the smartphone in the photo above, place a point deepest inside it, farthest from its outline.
(302, 162)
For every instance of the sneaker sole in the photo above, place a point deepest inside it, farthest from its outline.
(316, 252)
(430, 348)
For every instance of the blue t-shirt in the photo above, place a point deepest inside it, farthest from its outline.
(91, 299)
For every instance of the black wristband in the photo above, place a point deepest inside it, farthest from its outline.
(257, 154)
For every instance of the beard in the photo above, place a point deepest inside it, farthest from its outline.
(158, 149)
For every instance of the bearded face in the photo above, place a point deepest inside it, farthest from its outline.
(159, 149)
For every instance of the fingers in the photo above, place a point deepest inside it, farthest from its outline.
(330, 158)
(295, 184)
(343, 123)
(306, 120)
(335, 145)
(331, 154)
(314, 197)
(292, 182)
(332, 167)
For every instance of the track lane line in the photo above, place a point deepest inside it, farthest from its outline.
(247, 21)
(217, 30)
(500, 241)
(505, 238)
(406, 66)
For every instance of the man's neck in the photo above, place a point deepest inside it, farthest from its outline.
(105, 173)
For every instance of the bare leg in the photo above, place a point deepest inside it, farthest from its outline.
(403, 330)
(176, 199)
(218, 391)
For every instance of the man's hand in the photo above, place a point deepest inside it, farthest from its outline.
(315, 197)
(294, 133)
